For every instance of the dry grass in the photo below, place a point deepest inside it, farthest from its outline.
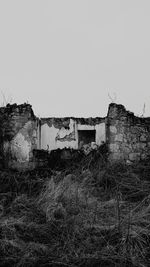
(98, 215)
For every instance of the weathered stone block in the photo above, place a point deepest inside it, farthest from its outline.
(125, 149)
(114, 147)
(143, 145)
(123, 118)
(113, 129)
(119, 138)
(137, 147)
(134, 156)
(134, 139)
(143, 156)
(143, 138)
(116, 157)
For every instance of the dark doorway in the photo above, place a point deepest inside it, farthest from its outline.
(86, 137)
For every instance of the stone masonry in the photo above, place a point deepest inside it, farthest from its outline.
(18, 136)
(127, 137)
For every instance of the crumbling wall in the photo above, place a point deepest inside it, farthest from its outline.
(128, 136)
(18, 136)
(21, 133)
(60, 133)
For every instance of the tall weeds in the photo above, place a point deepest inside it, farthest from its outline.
(90, 214)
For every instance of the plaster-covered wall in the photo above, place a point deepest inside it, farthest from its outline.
(128, 136)
(54, 137)
(63, 133)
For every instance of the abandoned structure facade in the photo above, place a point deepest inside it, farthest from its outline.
(126, 136)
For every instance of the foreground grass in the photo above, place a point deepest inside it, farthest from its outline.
(93, 214)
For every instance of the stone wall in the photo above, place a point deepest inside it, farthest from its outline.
(18, 136)
(128, 136)
(21, 133)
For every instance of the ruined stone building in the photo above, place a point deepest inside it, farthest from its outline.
(127, 137)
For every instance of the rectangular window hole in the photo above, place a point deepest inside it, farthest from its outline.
(86, 137)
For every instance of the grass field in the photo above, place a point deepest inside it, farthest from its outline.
(88, 213)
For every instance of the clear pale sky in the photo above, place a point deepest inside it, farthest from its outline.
(65, 56)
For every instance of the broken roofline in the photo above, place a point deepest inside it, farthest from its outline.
(66, 121)
(120, 111)
(9, 108)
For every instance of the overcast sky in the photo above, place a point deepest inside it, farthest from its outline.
(65, 56)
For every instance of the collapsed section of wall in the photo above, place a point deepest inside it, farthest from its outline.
(128, 136)
(59, 133)
(18, 136)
